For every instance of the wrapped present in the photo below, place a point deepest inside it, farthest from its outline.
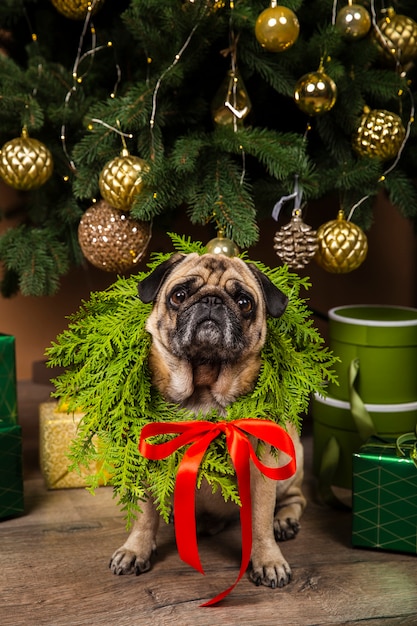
(333, 421)
(385, 495)
(57, 429)
(11, 472)
(8, 395)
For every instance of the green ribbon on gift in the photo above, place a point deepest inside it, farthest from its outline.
(331, 455)
(408, 438)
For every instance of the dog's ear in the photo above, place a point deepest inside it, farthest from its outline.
(276, 301)
(149, 287)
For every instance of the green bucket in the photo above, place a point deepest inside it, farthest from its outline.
(383, 339)
(332, 419)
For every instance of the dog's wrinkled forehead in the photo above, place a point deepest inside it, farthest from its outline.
(212, 271)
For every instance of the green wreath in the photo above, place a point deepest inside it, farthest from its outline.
(104, 353)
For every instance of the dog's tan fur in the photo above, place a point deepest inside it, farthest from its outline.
(207, 380)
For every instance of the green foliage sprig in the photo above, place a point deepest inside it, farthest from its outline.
(105, 352)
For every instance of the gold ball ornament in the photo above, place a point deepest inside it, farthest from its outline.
(112, 240)
(380, 134)
(277, 28)
(121, 180)
(315, 93)
(397, 37)
(296, 242)
(222, 245)
(25, 163)
(77, 9)
(342, 246)
(353, 21)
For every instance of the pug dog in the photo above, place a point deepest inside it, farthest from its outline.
(208, 327)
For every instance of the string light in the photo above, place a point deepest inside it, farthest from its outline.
(161, 78)
(78, 79)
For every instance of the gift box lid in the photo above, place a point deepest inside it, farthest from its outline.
(374, 325)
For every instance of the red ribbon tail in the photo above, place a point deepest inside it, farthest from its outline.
(184, 501)
(239, 451)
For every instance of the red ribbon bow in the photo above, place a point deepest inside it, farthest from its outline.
(200, 434)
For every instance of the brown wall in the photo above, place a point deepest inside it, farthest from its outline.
(388, 276)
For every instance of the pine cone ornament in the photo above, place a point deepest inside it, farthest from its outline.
(25, 163)
(77, 9)
(112, 240)
(342, 246)
(380, 134)
(296, 242)
(121, 180)
(397, 37)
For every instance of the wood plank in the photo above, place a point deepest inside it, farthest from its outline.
(54, 568)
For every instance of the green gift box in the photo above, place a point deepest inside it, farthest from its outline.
(335, 429)
(383, 340)
(8, 396)
(385, 496)
(11, 472)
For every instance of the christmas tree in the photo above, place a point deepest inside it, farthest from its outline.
(115, 116)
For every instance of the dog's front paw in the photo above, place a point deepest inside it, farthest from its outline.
(271, 572)
(125, 561)
(285, 529)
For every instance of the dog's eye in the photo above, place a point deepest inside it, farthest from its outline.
(178, 296)
(244, 303)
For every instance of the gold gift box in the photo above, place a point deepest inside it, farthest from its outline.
(57, 429)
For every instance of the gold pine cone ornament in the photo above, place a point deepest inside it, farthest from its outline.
(25, 163)
(296, 242)
(342, 246)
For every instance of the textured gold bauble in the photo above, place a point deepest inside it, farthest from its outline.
(397, 37)
(77, 9)
(25, 163)
(277, 29)
(353, 21)
(121, 180)
(112, 240)
(380, 134)
(296, 242)
(342, 246)
(222, 245)
(315, 93)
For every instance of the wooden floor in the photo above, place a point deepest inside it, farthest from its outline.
(53, 565)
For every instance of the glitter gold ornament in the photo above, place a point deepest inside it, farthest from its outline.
(397, 37)
(315, 93)
(277, 28)
(222, 245)
(231, 104)
(380, 134)
(25, 163)
(342, 246)
(121, 180)
(353, 21)
(77, 9)
(112, 240)
(296, 242)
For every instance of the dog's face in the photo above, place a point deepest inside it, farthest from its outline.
(208, 310)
